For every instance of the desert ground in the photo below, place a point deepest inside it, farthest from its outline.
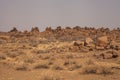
(60, 54)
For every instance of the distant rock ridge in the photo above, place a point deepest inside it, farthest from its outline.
(35, 30)
(14, 30)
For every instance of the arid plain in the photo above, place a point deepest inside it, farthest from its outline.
(60, 54)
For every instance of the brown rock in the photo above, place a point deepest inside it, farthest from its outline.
(14, 30)
(102, 41)
(78, 43)
(74, 48)
(35, 29)
(88, 40)
(107, 54)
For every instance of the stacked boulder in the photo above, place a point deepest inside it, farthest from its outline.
(102, 42)
(35, 30)
(109, 54)
(14, 30)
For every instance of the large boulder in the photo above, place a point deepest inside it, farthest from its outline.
(88, 40)
(76, 45)
(35, 30)
(59, 28)
(14, 30)
(48, 29)
(102, 41)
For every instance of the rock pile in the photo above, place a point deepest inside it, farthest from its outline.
(110, 54)
(14, 30)
(35, 30)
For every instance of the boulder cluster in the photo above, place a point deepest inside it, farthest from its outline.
(87, 38)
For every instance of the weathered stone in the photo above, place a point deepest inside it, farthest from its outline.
(35, 29)
(107, 54)
(78, 43)
(14, 30)
(102, 41)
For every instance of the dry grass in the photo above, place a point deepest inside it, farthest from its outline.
(41, 66)
(57, 67)
(2, 56)
(92, 68)
(21, 67)
(72, 65)
(51, 76)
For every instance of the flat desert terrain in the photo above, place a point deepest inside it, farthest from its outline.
(60, 54)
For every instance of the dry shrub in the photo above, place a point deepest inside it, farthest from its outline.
(41, 66)
(69, 56)
(57, 67)
(50, 62)
(90, 62)
(92, 68)
(21, 67)
(29, 60)
(51, 76)
(45, 56)
(72, 65)
(2, 56)
(2, 41)
(14, 54)
(41, 51)
(69, 62)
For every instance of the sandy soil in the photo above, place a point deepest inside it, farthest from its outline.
(40, 58)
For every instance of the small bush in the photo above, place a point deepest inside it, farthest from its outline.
(69, 62)
(22, 67)
(95, 69)
(57, 67)
(41, 66)
(29, 60)
(51, 76)
(14, 54)
(74, 67)
(2, 56)
(90, 62)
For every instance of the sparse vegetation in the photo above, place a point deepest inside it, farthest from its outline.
(41, 66)
(22, 67)
(74, 53)
(96, 69)
(57, 67)
(51, 77)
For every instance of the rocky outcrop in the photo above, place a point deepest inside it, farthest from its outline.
(35, 30)
(13, 30)
(88, 41)
(102, 41)
(110, 54)
(48, 29)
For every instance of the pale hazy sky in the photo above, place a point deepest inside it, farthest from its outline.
(25, 14)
